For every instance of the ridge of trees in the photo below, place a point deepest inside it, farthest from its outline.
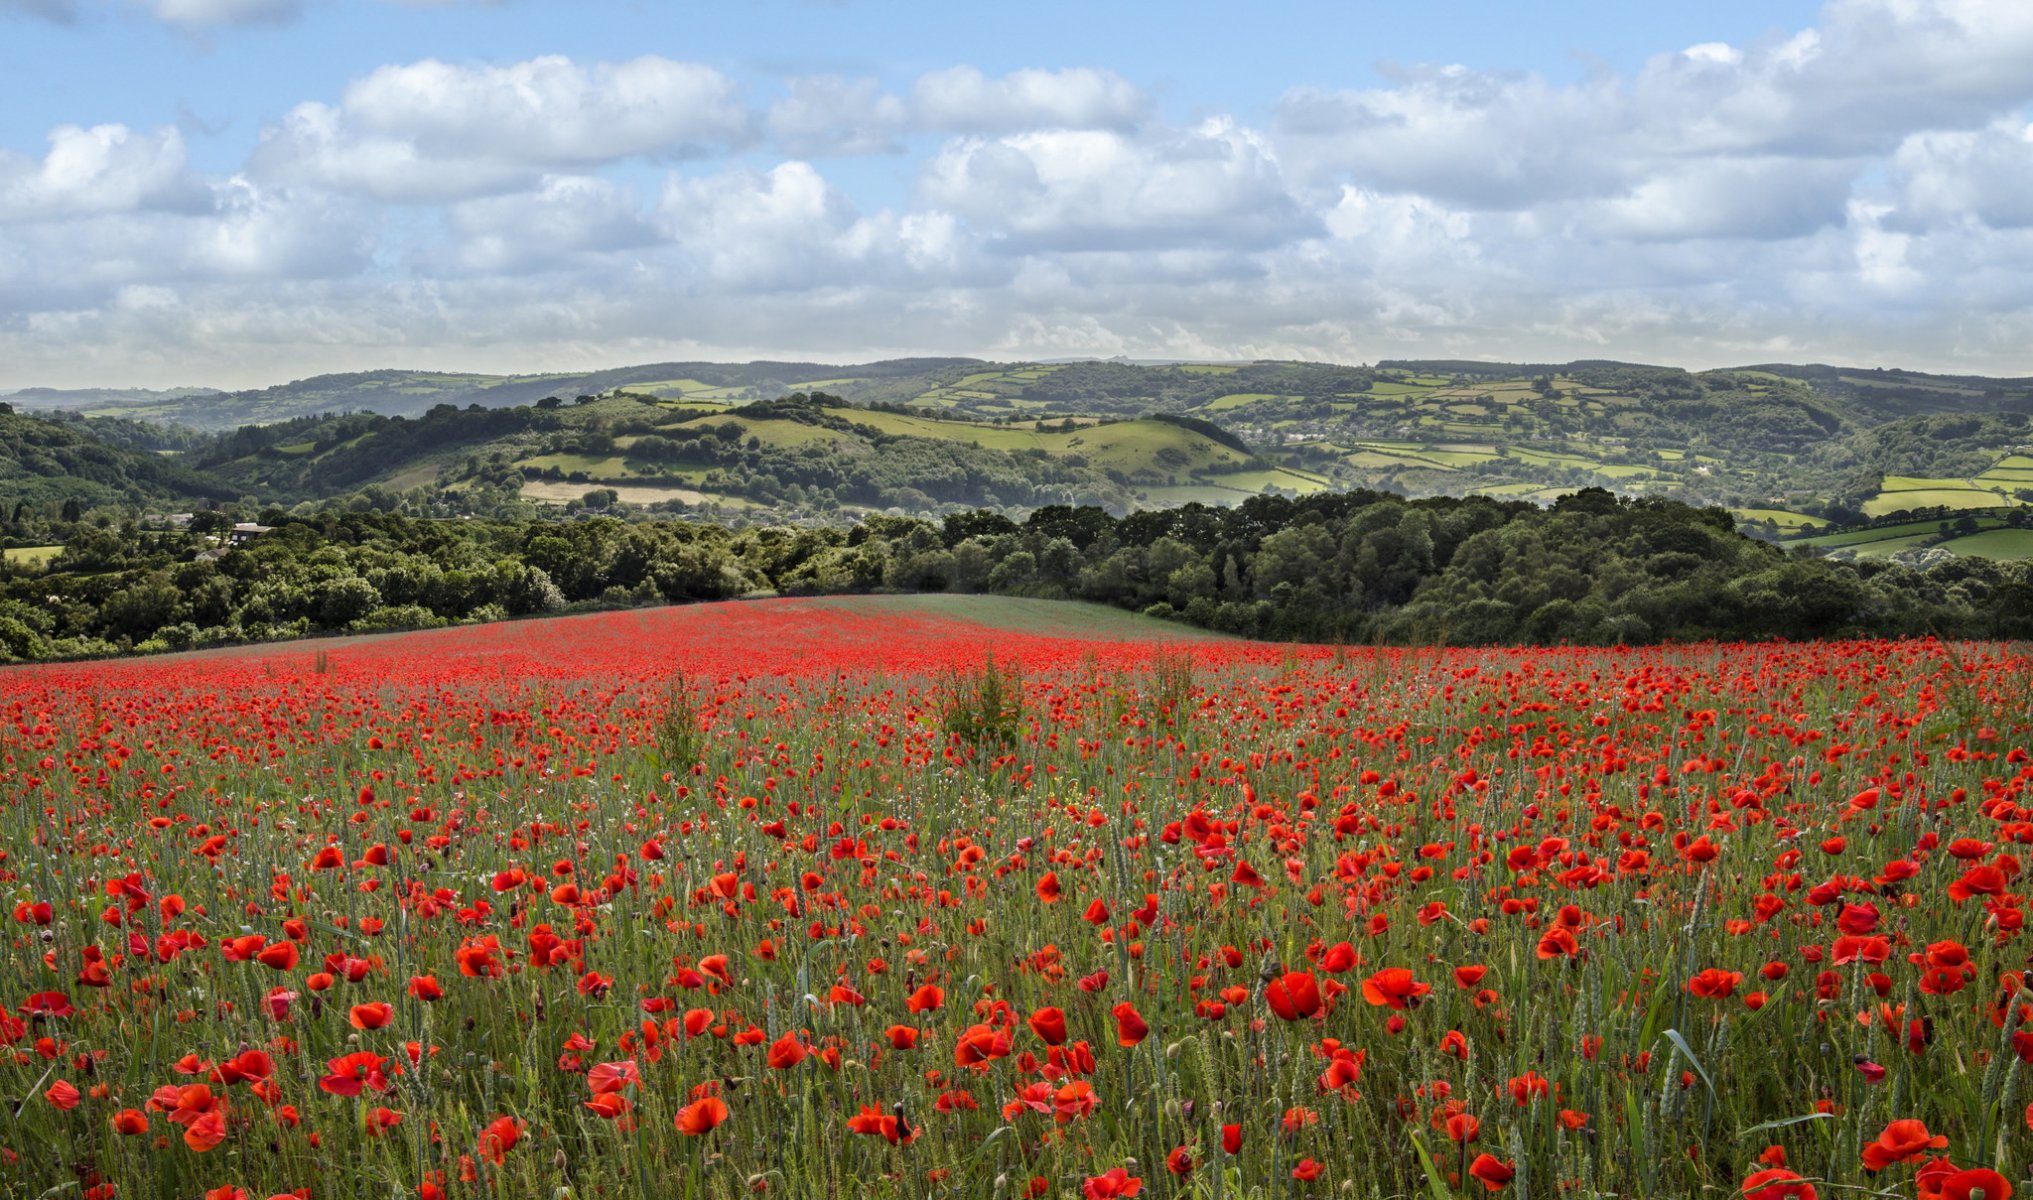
(1354, 567)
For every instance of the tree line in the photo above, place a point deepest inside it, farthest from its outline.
(1349, 567)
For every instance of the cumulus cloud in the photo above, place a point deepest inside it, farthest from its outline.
(248, 236)
(963, 100)
(438, 131)
(104, 169)
(1872, 73)
(789, 228)
(827, 114)
(1984, 175)
(565, 217)
(1217, 184)
(1861, 190)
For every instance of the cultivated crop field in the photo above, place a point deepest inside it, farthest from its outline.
(813, 899)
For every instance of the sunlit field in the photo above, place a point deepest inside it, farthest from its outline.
(985, 899)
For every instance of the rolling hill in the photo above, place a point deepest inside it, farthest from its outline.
(1789, 448)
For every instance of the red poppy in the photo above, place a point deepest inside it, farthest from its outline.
(500, 1136)
(1777, 1183)
(1113, 1183)
(786, 1052)
(1129, 1025)
(1900, 1141)
(1492, 1172)
(1295, 995)
(1050, 1025)
(1394, 987)
(701, 1116)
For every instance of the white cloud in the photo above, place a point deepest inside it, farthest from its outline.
(788, 228)
(1984, 175)
(107, 168)
(567, 216)
(963, 100)
(1871, 74)
(1762, 198)
(248, 236)
(1214, 185)
(827, 115)
(1859, 191)
(437, 131)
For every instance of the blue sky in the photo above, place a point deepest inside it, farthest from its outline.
(235, 192)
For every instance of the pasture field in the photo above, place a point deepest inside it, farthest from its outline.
(969, 897)
(32, 556)
(1953, 498)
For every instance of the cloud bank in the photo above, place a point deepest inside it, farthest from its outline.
(1860, 191)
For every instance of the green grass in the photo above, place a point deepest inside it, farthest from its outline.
(1916, 483)
(1783, 518)
(1952, 498)
(2001, 544)
(1241, 400)
(33, 556)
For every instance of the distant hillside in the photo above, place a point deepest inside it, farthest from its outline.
(48, 463)
(809, 452)
(399, 393)
(1788, 448)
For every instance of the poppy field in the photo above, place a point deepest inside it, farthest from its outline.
(869, 898)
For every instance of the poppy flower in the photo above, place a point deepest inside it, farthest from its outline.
(1050, 1025)
(499, 1137)
(1900, 1141)
(206, 1131)
(786, 1052)
(1492, 1172)
(980, 1044)
(701, 1116)
(349, 1074)
(901, 1037)
(890, 1126)
(611, 1077)
(1394, 987)
(1129, 1025)
(1777, 1183)
(1974, 1183)
(1110, 1184)
(370, 1016)
(1295, 995)
(1714, 984)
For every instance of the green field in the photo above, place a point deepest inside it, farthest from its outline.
(33, 556)
(2000, 544)
(1240, 400)
(553, 492)
(1781, 517)
(1956, 498)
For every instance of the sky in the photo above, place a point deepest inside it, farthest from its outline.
(234, 193)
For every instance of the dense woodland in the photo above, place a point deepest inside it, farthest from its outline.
(1353, 567)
